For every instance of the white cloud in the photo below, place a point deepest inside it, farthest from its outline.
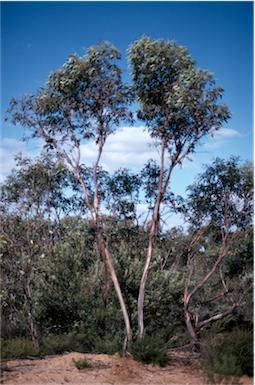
(128, 147)
(221, 137)
(227, 133)
(11, 147)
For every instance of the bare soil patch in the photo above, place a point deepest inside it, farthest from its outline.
(106, 370)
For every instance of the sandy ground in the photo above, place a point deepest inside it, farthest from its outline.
(105, 370)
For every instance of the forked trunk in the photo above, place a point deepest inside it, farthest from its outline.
(153, 233)
(117, 288)
(142, 291)
(189, 325)
(141, 295)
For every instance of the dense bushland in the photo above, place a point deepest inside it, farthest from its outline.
(80, 269)
(73, 304)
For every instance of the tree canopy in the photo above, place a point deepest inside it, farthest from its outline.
(85, 101)
(178, 102)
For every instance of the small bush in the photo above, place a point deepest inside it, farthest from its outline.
(82, 363)
(55, 344)
(108, 344)
(18, 348)
(227, 356)
(150, 350)
(224, 370)
(81, 342)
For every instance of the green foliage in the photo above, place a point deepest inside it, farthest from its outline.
(229, 355)
(241, 257)
(225, 370)
(36, 187)
(123, 189)
(82, 364)
(18, 348)
(179, 105)
(54, 276)
(74, 341)
(223, 195)
(82, 100)
(55, 344)
(150, 350)
(109, 344)
(219, 274)
(177, 101)
(81, 341)
(162, 306)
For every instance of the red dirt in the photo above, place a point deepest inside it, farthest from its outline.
(105, 370)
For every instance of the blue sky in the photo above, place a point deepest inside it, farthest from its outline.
(37, 37)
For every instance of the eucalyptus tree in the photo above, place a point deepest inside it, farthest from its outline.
(219, 277)
(36, 188)
(179, 104)
(82, 102)
(123, 194)
(32, 200)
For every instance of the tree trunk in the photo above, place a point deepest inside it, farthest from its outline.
(30, 314)
(189, 325)
(153, 233)
(142, 289)
(117, 288)
(141, 295)
(94, 210)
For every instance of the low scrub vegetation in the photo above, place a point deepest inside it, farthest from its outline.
(227, 356)
(18, 348)
(150, 350)
(82, 364)
(58, 293)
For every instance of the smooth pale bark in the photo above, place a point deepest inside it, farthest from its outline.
(188, 323)
(108, 261)
(94, 210)
(163, 184)
(30, 314)
(143, 283)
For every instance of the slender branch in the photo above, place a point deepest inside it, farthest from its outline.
(218, 316)
(210, 273)
(226, 291)
(96, 201)
(163, 264)
(214, 318)
(215, 297)
(194, 240)
(222, 280)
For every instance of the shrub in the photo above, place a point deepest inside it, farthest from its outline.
(18, 348)
(225, 369)
(82, 342)
(55, 344)
(227, 356)
(82, 363)
(108, 344)
(150, 350)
